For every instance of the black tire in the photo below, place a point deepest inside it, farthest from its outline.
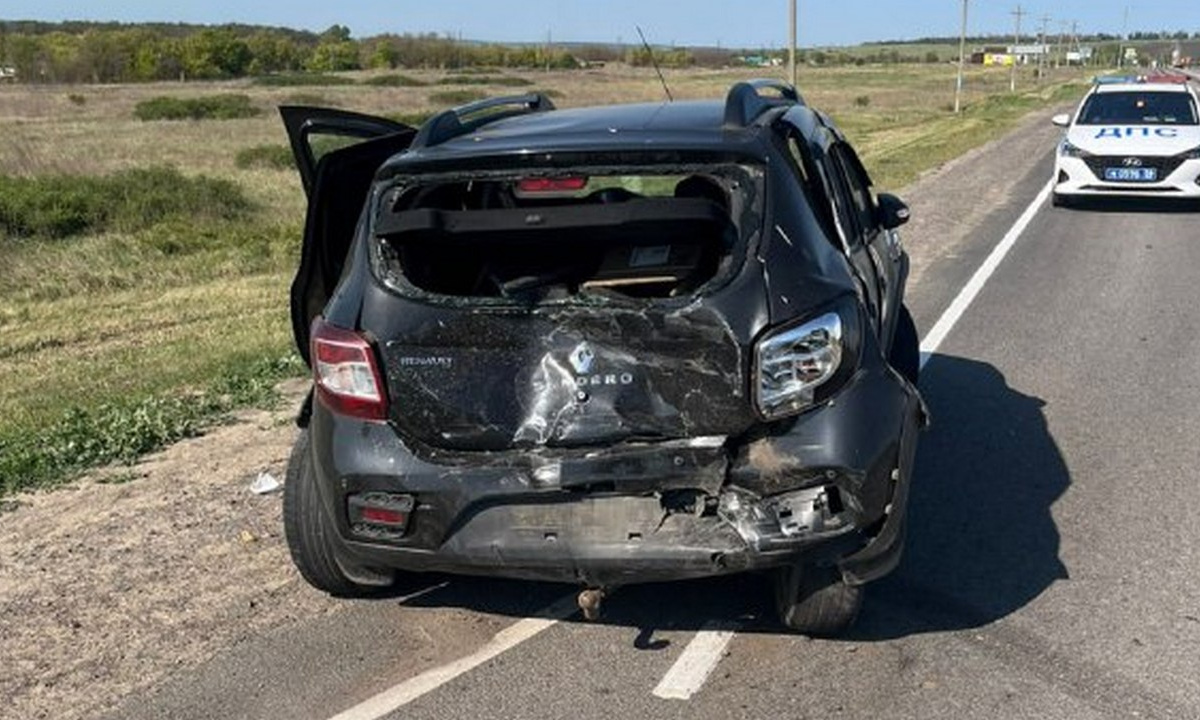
(816, 601)
(905, 355)
(310, 531)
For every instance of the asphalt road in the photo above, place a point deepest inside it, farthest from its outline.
(1052, 567)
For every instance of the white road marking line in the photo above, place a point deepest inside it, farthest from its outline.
(400, 695)
(696, 663)
(970, 291)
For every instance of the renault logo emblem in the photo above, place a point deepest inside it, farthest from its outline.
(582, 358)
(1132, 162)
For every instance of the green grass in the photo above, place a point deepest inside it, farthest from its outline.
(123, 429)
(61, 206)
(394, 80)
(119, 343)
(270, 157)
(301, 80)
(898, 146)
(228, 106)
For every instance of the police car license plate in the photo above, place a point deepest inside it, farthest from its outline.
(1131, 174)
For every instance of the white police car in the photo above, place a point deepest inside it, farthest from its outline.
(1131, 137)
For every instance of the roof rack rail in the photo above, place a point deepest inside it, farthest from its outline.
(465, 119)
(746, 102)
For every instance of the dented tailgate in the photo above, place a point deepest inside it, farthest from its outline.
(567, 377)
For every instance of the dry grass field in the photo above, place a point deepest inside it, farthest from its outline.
(115, 342)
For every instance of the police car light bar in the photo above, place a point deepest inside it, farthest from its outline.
(1170, 78)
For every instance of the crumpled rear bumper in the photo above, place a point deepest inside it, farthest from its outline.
(829, 486)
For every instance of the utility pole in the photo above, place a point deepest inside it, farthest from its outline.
(1124, 37)
(1018, 14)
(1045, 19)
(1060, 50)
(792, 41)
(962, 59)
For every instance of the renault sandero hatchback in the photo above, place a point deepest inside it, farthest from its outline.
(602, 346)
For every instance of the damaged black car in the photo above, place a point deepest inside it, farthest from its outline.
(602, 346)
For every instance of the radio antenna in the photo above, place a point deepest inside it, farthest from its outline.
(654, 62)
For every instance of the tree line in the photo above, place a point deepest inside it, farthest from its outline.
(112, 53)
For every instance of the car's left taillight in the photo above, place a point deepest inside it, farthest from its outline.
(346, 372)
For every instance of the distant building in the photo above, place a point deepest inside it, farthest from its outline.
(8, 74)
(760, 61)
(1028, 54)
(1082, 56)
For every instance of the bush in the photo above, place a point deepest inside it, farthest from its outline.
(862, 101)
(455, 97)
(302, 79)
(394, 81)
(77, 99)
(271, 157)
(209, 107)
(501, 80)
(60, 206)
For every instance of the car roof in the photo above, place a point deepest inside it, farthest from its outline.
(678, 126)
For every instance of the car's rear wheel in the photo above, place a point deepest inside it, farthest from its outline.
(816, 601)
(905, 355)
(310, 532)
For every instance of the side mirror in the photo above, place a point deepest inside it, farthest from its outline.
(892, 211)
(1063, 120)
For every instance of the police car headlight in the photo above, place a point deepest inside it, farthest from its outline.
(1069, 149)
(1193, 154)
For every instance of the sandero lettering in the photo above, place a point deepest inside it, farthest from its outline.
(604, 380)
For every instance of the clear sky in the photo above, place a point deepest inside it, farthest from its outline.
(729, 23)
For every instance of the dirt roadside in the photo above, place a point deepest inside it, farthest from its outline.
(108, 588)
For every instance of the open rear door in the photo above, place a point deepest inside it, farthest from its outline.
(337, 153)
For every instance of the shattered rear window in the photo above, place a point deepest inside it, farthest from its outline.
(557, 234)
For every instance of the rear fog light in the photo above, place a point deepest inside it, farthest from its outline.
(379, 515)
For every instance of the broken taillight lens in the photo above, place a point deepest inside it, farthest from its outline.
(346, 373)
(801, 365)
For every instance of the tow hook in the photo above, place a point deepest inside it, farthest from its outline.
(589, 602)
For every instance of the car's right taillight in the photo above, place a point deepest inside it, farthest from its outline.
(800, 366)
(346, 373)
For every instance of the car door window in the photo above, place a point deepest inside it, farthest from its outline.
(805, 170)
(839, 196)
(858, 188)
